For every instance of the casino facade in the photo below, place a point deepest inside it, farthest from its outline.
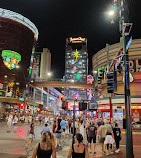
(18, 36)
(116, 105)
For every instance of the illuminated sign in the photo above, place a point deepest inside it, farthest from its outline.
(133, 107)
(75, 68)
(11, 84)
(10, 58)
(76, 54)
(19, 18)
(21, 99)
(90, 80)
(77, 40)
(134, 66)
(70, 107)
(78, 76)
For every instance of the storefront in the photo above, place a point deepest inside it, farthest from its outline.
(118, 108)
(32, 108)
(8, 104)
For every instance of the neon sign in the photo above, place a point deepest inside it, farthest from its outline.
(77, 39)
(75, 68)
(76, 54)
(10, 58)
(78, 76)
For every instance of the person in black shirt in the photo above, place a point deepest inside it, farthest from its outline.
(92, 132)
(78, 150)
(117, 136)
(46, 147)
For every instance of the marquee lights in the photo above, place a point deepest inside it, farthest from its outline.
(10, 58)
(19, 18)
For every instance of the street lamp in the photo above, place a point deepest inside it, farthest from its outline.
(124, 22)
(111, 13)
(5, 76)
(49, 74)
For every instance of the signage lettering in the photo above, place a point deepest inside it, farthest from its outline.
(134, 66)
(77, 39)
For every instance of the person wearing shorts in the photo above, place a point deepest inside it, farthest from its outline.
(63, 126)
(102, 131)
(92, 132)
(31, 135)
(58, 135)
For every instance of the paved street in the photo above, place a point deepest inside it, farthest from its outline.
(12, 144)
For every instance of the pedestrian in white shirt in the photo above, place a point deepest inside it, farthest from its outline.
(9, 122)
(81, 128)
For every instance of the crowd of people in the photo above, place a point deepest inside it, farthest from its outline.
(56, 129)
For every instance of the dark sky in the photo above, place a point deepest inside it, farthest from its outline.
(58, 19)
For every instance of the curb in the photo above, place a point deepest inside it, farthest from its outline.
(134, 133)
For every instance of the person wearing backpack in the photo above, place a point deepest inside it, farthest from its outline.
(117, 136)
(102, 134)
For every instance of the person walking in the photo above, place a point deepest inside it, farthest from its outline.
(117, 136)
(15, 121)
(109, 142)
(78, 150)
(54, 126)
(31, 134)
(58, 135)
(92, 132)
(102, 134)
(70, 121)
(46, 147)
(45, 128)
(9, 122)
(81, 128)
(63, 126)
(40, 120)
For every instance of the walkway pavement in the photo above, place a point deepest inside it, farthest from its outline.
(12, 144)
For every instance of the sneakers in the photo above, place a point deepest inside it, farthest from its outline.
(117, 151)
(111, 152)
(103, 152)
(107, 154)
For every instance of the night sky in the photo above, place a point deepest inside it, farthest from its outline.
(58, 19)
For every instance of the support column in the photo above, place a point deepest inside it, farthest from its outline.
(111, 111)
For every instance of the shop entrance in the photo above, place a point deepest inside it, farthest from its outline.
(106, 115)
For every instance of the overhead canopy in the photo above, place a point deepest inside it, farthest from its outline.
(63, 84)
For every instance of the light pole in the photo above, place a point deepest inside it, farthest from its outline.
(75, 99)
(129, 138)
(73, 123)
(124, 24)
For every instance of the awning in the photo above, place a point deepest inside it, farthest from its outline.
(31, 103)
(10, 100)
(47, 110)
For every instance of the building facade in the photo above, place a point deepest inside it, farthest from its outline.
(18, 36)
(45, 66)
(100, 62)
(76, 65)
